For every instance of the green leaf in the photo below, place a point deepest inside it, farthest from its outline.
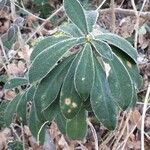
(131, 67)
(11, 109)
(15, 82)
(71, 30)
(134, 99)
(101, 99)
(52, 110)
(38, 109)
(70, 101)
(45, 44)
(48, 59)
(10, 37)
(91, 17)
(36, 126)
(119, 42)
(22, 108)
(120, 82)
(84, 72)
(49, 87)
(3, 106)
(75, 12)
(77, 127)
(103, 49)
(30, 93)
(87, 105)
(61, 122)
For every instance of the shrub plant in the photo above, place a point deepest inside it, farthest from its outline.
(73, 73)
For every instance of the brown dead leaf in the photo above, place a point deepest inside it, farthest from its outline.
(62, 143)
(24, 53)
(135, 145)
(34, 144)
(30, 20)
(4, 137)
(4, 20)
(143, 42)
(126, 27)
(9, 94)
(135, 116)
(16, 69)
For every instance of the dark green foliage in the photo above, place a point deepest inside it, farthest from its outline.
(75, 73)
(15, 82)
(3, 106)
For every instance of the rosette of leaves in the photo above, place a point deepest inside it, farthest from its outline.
(75, 73)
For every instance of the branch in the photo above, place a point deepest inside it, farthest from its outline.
(145, 15)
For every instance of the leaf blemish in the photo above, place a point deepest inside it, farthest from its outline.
(107, 69)
(74, 105)
(43, 97)
(67, 101)
(83, 79)
(129, 64)
(69, 111)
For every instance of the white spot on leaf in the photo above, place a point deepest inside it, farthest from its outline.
(107, 69)
(69, 111)
(74, 105)
(67, 101)
(83, 79)
(129, 64)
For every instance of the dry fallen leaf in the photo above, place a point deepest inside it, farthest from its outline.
(4, 137)
(9, 94)
(4, 21)
(16, 69)
(135, 116)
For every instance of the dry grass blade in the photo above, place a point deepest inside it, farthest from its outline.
(143, 116)
(94, 134)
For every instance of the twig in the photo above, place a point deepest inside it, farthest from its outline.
(122, 132)
(102, 3)
(107, 140)
(133, 129)
(14, 131)
(39, 28)
(3, 50)
(143, 117)
(142, 7)
(13, 9)
(82, 147)
(94, 134)
(113, 15)
(136, 24)
(29, 12)
(145, 15)
(23, 138)
(119, 129)
(5, 56)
